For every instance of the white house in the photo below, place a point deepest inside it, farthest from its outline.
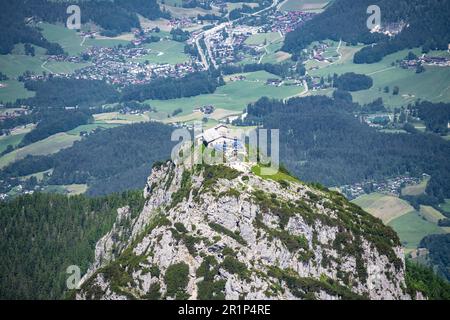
(221, 138)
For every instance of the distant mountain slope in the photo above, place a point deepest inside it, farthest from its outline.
(113, 16)
(427, 25)
(322, 142)
(112, 160)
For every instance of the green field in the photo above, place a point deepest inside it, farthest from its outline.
(261, 38)
(173, 3)
(15, 64)
(382, 206)
(233, 96)
(115, 118)
(279, 176)
(237, 5)
(417, 189)
(13, 90)
(166, 51)
(47, 146)
(104, 42)
(431, 85)
(431, 214)
(70, 189)
(67, 39)
(63, 67)
(411, 229)
(71, 42)
(273, 55)
(174, 7)
(12, 140)
(90, 127)
(38, 175)
(19, 49)
(304, 5)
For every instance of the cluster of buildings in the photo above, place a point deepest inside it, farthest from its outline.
(238, 78)
(378, 120)
(391, 186)
(208, 109)
(12, 112)
(64, 58)
(115, 65)
(122, 66)
(182, 22)
(317, 53)
(275, 82)
(229, 43)
(225, 140)
(284, 22)
(425, 60)
(145, 35)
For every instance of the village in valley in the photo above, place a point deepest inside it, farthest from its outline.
(140, 62)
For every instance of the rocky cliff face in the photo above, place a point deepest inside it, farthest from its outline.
(211, 232)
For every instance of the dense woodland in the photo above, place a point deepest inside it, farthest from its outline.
(320, 140)
(54, 122)
(190, 85)
(111, 160)
(346, 20)
(435, 115)
(66, 93)
(422, 279)
(15, 30)
(438, 246)
(351, 81)
(43, 234)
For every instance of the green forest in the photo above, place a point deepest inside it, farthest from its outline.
(321, 141)
(346, 20)
(43, 234)
(113, 16)
(111, 160)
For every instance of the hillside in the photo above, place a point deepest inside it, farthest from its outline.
(43, 234)
(212, 232)
(113, 17)
(425, 23)
(320, 141)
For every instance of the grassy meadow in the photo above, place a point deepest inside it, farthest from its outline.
(234, 96)
(304, 5)
(165, 51)
(385, 207)
(431, 85)
(412, 228)
(46, 146)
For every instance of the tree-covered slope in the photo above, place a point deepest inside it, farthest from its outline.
(42, 234)
(113, 16)
(321, 141)
(426, 21)
(112, 160)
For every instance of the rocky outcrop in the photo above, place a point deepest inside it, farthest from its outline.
(211, 232)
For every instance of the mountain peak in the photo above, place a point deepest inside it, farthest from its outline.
(213, 232)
